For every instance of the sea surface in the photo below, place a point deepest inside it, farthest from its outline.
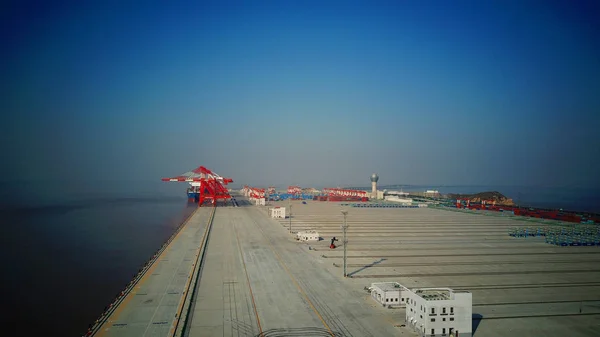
(65, 255)
(69, 248)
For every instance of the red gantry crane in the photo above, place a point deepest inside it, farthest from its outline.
(459, 203)
(294, 190)
(340, 194)
(208, 185)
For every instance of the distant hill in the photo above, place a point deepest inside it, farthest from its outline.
(498, 197)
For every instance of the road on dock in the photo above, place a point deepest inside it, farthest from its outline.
(257, 281)
(152, 306)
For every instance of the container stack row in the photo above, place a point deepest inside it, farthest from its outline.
(581, 235)
(382, 205)
(520, 232)
(577, 235)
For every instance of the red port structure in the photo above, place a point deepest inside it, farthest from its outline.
(552, 214)
(208, 185)
(253, 192)
(294, 190)
(340, 194)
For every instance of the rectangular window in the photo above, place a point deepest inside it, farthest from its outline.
(443, 331)
(433, 319)
(451, 310)
(402, 299)
(396, 299)
(443, 310)
(433, 310)
(433, 331)
(451, 318)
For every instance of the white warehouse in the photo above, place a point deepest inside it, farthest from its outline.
(277, 212)
(440, 312)
(308, 236)
(389, 293)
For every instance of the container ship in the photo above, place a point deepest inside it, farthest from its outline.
(193, 193)
(205, 185)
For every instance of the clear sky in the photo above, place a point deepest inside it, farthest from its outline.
(310, 93)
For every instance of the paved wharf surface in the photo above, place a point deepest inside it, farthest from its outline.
(151, 307)
(258, 281)
(521, 286)
(255, 280)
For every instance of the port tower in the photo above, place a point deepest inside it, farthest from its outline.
(374, 180)
(211, 186)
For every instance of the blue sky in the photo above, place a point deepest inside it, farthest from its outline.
(421, 92)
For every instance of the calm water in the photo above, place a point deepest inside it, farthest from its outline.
(69, 249)
(64, 261)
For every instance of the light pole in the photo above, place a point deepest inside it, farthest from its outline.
(344, 227)
(290, 205)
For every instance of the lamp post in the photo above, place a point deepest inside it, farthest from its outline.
(290, 205)
(344, 227)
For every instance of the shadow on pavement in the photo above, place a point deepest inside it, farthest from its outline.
(476, 321)
(366, 267)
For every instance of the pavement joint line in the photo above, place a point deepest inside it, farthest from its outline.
(310, 303)
(196, 267)
(260, 331)
(119, 307)
(536, 316)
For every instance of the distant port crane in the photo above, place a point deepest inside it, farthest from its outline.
(253, 192)
(205, 185)
(295, 190)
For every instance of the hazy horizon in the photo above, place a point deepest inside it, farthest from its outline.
(309, 94)
(17, 197)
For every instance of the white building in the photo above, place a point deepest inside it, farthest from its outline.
(440, 312)
(389, 293)
(259, 201)
(277, 212)
(397, 193)
(394, 198)
(308, 236)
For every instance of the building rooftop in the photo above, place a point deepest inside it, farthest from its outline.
(434, 294)
(388, 286)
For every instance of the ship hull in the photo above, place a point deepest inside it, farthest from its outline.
(193, 196)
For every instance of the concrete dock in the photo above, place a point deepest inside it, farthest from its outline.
(258, 281)
(520, 286)
(254, 279)
(152, 306)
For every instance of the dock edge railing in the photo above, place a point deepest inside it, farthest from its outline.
(95, 328)
(182, 316)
